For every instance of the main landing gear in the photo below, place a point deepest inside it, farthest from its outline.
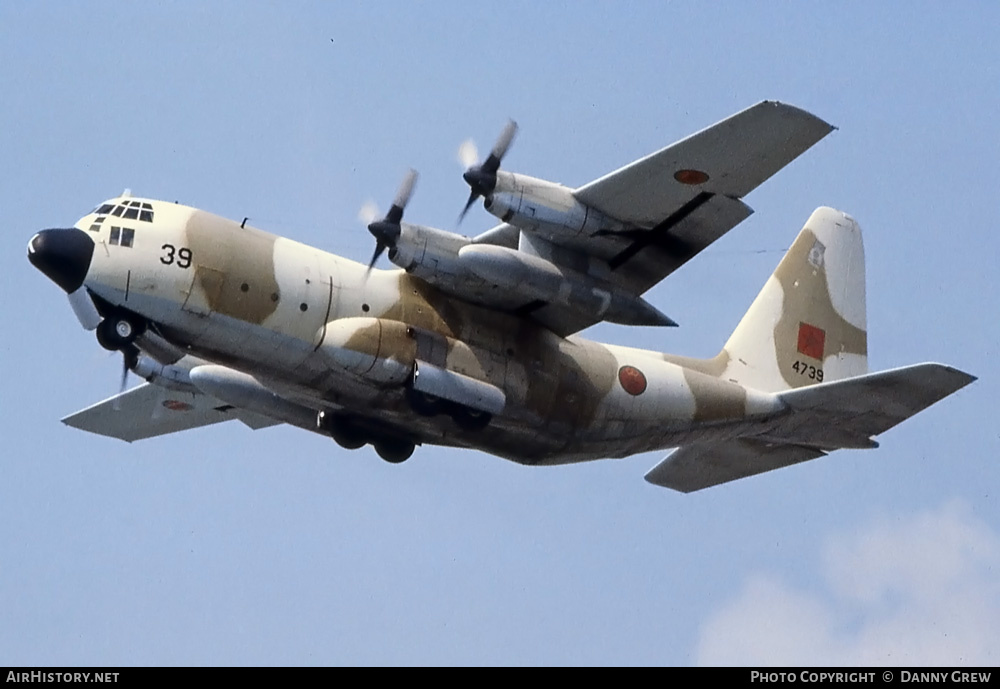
(466, 418)
(351, 435)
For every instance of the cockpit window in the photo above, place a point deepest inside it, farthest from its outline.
(130, 210)
(121, 236)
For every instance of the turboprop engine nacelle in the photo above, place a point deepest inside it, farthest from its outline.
(533, 277)
(379, 350)
(165, 375)
(432, 255)
(427, 252)
(385, 352)
(545, 208)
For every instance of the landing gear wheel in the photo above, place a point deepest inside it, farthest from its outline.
(106, 339)
(118, 331)
(349, 440)
(346, 434)
(422, 403)
(394, 451)
(124, 330)
(471, 419)
(341, 429)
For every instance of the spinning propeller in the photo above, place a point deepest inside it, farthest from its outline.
(482, 178)
(387, 230)
(130, 357)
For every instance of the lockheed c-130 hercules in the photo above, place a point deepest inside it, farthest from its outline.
(472, 342)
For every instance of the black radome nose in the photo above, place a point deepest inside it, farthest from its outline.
(63, 255)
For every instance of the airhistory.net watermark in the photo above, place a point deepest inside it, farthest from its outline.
(61, 677)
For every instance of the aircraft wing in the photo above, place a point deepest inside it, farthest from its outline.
(679, 200)
(733, 157)
(148, 410)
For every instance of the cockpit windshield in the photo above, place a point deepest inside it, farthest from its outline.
(130, 210)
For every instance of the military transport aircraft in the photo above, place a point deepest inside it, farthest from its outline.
(473, 342)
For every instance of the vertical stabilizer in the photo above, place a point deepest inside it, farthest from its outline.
(808, 323)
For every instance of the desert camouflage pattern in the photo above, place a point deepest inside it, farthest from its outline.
(310, 326)
(240, 323)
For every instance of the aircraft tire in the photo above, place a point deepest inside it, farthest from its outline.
(422, 403)
(394, 451)
(348, 438)
(104, 339)
(118, 331)
(471, 419)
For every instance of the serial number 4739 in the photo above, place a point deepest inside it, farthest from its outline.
(808, 370)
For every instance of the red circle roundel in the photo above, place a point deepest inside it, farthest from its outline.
(632, 379)
(177, 405)
(692, 177)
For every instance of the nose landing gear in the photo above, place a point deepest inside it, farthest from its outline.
(119, 330)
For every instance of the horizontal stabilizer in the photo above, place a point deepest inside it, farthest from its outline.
(866, 405)
(820, 418)
(148, 410)
(701, 465)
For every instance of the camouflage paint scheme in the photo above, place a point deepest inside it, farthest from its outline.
(245, 324)
(264, 304)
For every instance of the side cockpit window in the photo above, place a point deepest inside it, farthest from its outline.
(126, 209)
(122, 236)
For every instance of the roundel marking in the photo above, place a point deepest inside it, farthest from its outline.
(691, 176)
(632, 380)
(177, 405)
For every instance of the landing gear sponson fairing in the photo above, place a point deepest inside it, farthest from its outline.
(472, 343)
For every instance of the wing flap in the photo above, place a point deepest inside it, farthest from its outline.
(656, 253)
(148, 411)
(737, 155)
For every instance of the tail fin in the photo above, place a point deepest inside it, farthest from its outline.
(808, 323)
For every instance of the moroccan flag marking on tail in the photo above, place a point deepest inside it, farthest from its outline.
(811, 341)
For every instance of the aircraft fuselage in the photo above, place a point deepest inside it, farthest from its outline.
(313, 328)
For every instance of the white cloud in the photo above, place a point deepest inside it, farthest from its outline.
(922, 589)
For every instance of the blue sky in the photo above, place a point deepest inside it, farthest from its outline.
(228, 546)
